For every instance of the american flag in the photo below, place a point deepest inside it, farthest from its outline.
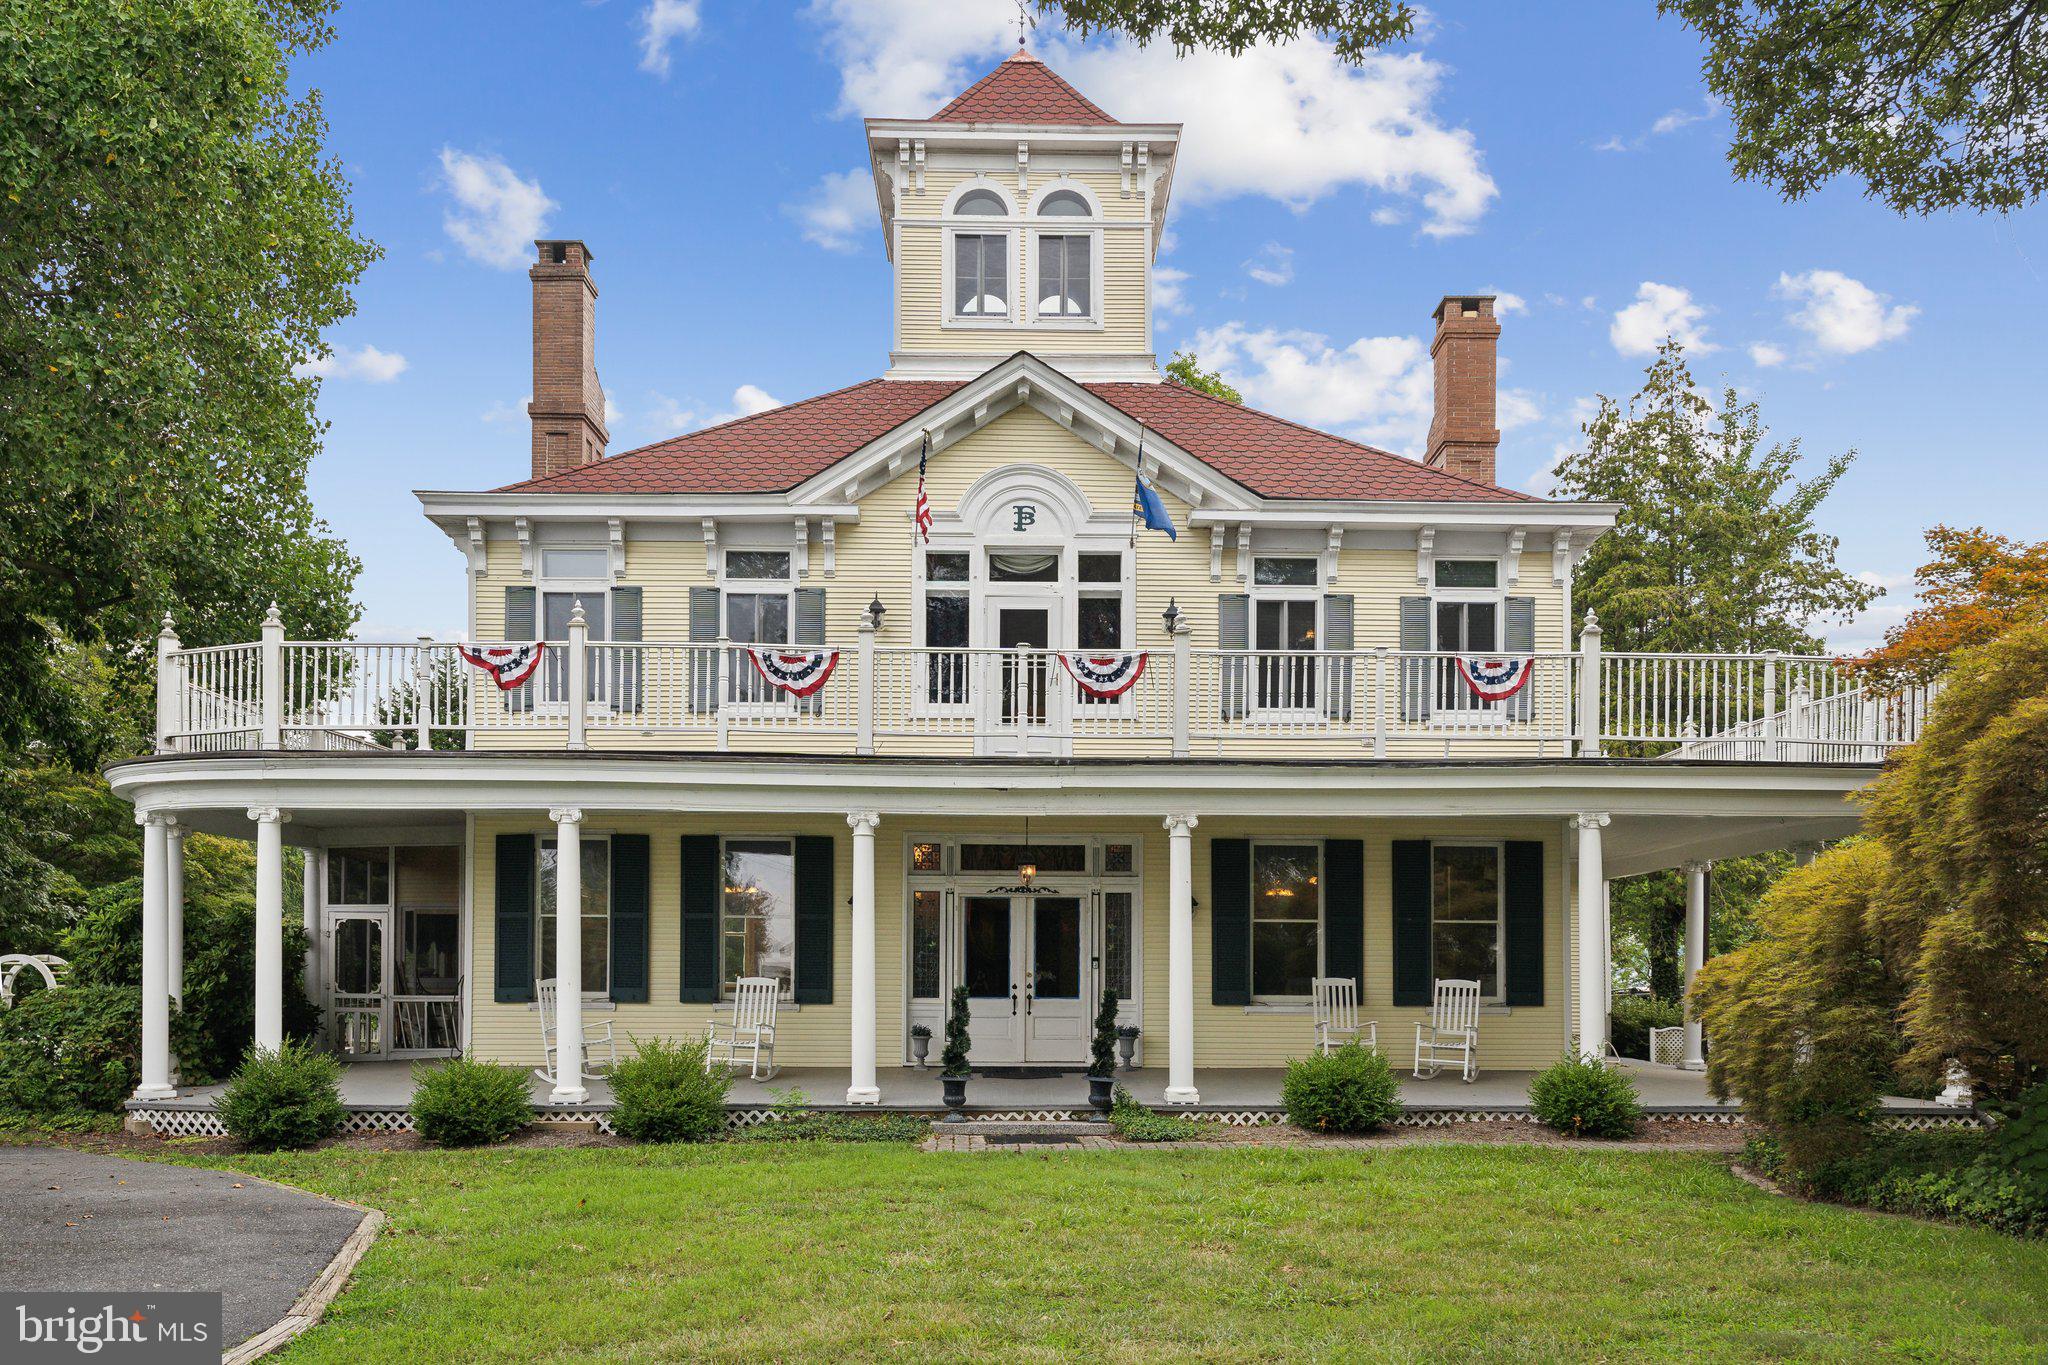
(924, 505)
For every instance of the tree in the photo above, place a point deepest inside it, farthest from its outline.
(1354, 27)
(1185, 369)
(1977, 586)
(1649, 917)
(172, 242)
(1932, 104)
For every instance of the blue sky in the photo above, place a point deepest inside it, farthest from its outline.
(1565, 155)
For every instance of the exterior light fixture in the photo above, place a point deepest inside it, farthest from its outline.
(1171, 615)
(876, 610)
(1028, 867)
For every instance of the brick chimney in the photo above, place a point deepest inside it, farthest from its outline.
(1464, 435)
(568, 403)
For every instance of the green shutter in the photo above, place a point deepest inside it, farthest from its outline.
(814, 898)
(1417, 675)
(627, 665)
(522, 615)
(514, 932)
(1524, 950)
(1411, 922)
(700, 918)
(1518, 636)
(705, 624)
(1344, 910)
(1230, 921)
(810, 634)
(1234, 631)
(1338, 614)
(629, 919)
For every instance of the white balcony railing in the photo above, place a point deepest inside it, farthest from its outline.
(898, 700)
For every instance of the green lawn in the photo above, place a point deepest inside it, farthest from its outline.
(1442, 1252)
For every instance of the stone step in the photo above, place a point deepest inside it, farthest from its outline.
(1005, 1129)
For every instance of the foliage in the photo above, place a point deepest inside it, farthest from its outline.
(1350, 1089)
(1353, 27)
(1931, 104)
(953, 1059)
(1102, 1051)
(663, 1093)
(1958, 1174)
(70, 1051)
(1633, 1016)
(1977, 587)
(287, 1098)
(1716, 548)
(2022, 1140)
(445, 686)
(176, 241)
(1649, 918)
(1135, 1123)
(467, 1103)
(62, 833)
(1185, 369)
(1586, 1098)
(812, 1127)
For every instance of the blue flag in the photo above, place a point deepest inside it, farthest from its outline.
(1146, 507)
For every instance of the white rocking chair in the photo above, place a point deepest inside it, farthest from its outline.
(1452, 1033)
(751, 1030)
(596, 1038)
(1336, 1002)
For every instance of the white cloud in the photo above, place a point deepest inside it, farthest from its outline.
(1517, 408)
(1273, 264)
(496, 215)
(1169, 290)
(506, 414)
(1388, 217)
(1843, 316)
(669, 416)
(1660, 311)
(1291, 122)
(1377, 388)
(366, 363)
(1669, 123)
(747, 400)
(1765, 354)
(1506, 304)
(661, 23)
(840, 207)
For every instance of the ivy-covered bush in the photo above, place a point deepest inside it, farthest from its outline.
(1586, 1099)
(287, 1098)
(1960, 1175)
(2022, 1140)
(468, 1103)
(1348, 1090)
(1633, 1016)
(664, 1094)
(75, 1050)
(1135, 1123)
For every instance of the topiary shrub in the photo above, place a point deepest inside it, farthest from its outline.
(1633, 1016)
(287, 1098)
(664, 1094)
(75, 1050)
(1348, 1090)
(1102, 1050)
(953, 1059)
(468, 1103)
(1586, 1099)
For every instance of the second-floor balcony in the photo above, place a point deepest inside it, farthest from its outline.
(901, 701)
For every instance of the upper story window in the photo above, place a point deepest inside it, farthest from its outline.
(1064, 204)
(982, 204)
(981, 274)
(1065, 276)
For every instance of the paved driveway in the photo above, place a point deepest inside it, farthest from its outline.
(75, 1221)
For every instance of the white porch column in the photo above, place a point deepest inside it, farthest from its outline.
(1180, 948)
(569, 1087)
(860, 1085)
(1592, 936)
(1695, 957)
(269, 926)
(174, 904)
(156, 995)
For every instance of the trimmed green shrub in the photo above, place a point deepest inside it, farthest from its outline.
(287, 1098)
(1348, 1090)
(1586, 1099)
(71, 1051)
(664, 1094)
(953, 1059)
(1959, 1175)
(468, 1103)
(1102, 1051)
(1135, 1123)
(1633, 1016)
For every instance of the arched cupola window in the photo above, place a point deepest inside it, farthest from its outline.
(1064, 204)
(982, 203)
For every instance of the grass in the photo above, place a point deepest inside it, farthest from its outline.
(816, 1251)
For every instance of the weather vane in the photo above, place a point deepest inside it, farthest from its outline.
(1023, 21)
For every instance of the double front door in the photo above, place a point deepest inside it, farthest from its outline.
(1027, 975)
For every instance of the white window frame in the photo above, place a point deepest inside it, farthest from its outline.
(544, 910)
(1476, 712)
(954, 224)
(1311, 591)
(584, 589)
(1037, 227)
(787, 997)
(1500, 913)
(922, 586)
(778, 703)
(1251, 919)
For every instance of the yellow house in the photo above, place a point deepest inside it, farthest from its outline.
(1018, 670)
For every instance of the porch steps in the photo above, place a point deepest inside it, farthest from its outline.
(1028, 1130)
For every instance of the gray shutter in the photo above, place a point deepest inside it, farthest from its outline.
(810, 634)
(513, 946)
(629, 919)
(1523, 953)
(1230, 921)
(814, 904)
(704, 623)
(628, 669)
(1337, 635)
(1518, 636)
(700, 882)
(1234, 631)
(1417, 675)
(1412, 986)
(1344, 910)
(522, 614)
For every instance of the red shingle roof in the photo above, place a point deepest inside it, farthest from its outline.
(1021, 89)
(774, 451)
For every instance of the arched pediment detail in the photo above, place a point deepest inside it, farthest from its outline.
(1060, 509)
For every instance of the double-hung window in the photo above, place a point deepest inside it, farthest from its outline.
(1465, 612)
(981, 259)
(1466, 909)
(1284, 605)
(569, 577)
(1099, 611)
(1065, 275)
(1287, 919)
(757, 913)
(757, 612)
(946, 603)
(597, 913)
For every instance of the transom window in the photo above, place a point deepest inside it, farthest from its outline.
(1063, 204)
(1268, 571)
(1465, 915)
(757, 612)
(358, 876)
(1467, 573)
(597, 913)
(1287, 919)
(1064, 275)
(981, 274)
(982, 204)
(757, 913)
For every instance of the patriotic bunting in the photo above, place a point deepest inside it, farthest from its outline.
(508, 665)
(1495, 679)
(799, 672)
(1103, 675)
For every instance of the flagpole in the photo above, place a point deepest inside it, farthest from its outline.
(1140, 479)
